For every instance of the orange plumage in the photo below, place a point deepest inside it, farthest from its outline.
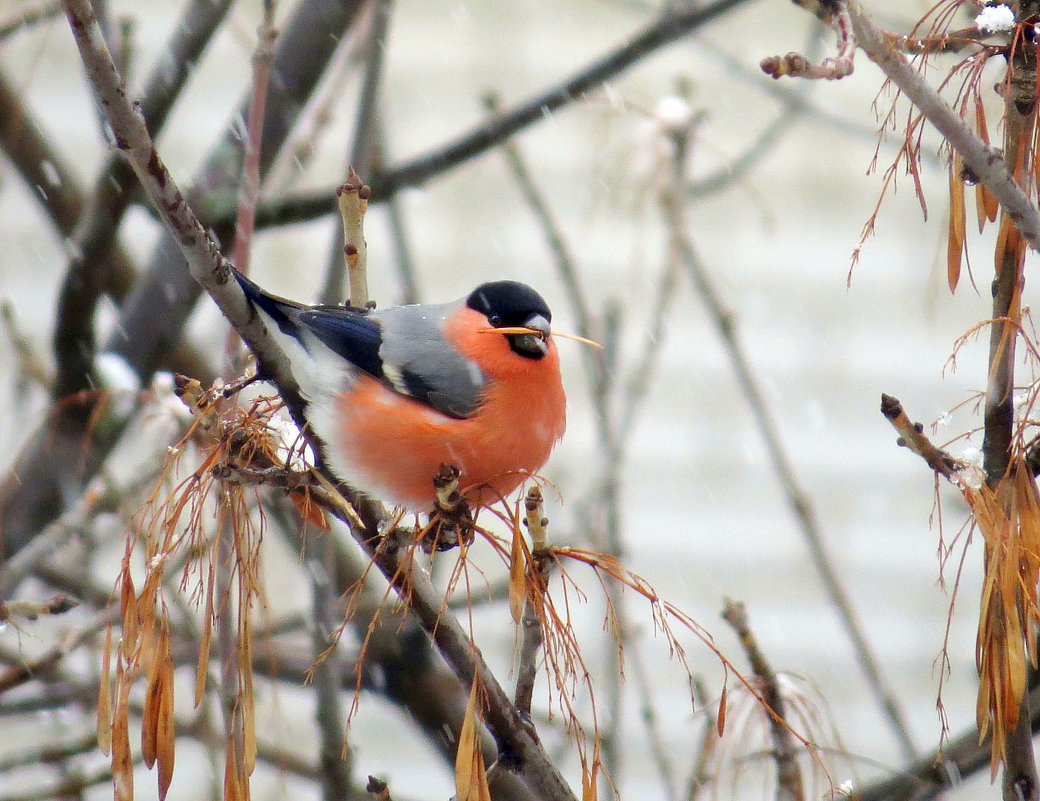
(395, 393)
(397, 444)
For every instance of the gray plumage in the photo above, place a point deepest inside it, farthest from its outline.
(418, 362)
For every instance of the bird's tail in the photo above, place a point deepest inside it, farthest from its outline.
(282, 311)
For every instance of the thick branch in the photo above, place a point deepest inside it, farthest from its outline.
(90, 272)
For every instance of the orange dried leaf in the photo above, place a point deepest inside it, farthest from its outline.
(986, 206)
(980, 119)
(720, 722)
(128, 608)
(152, 702)
(245, 667)
(517, 576)
(469, 746)
(122, 760)
(309, 511)
(992, 206)
(104, 711)
(956, 235)
(202, 667)
(232, 785)
(588, 783)
(165, 729)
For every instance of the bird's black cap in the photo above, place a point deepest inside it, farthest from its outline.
(508, 303)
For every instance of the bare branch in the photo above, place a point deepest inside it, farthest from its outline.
(365, 145)
(789, 775)
(831, 69)
(797, 498)
(671, 27)
(353, 203)
(911, 435)
(984, 161)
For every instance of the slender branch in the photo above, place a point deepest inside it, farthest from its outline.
(18, 674)
(942, 769)
(89, 273)
(25, 18)
(30, 366)
(325, 676)
(353, 203)
(76, 519)
(249, 186)
(788, 774)
(362, 151)
(700, 776)
(670, 28)
(644, 678)
(830, 69)
(912, 436)
(531, 621)
(797, 498)
(399, 236)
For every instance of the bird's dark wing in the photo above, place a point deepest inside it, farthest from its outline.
(350, 333)
(402, 346)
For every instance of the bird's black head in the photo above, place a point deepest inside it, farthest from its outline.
(510, 304)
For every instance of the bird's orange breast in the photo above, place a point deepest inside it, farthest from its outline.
(395, 445)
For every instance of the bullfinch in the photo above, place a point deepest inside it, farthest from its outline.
(395, 393)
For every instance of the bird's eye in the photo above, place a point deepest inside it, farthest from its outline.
(495, 321)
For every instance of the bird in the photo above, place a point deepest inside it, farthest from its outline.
(395, 393)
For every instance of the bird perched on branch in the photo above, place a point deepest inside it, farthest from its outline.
(395, 393)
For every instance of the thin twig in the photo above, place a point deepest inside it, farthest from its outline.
(700, 776)
(943, 769)
(912, 436)
(25, 18)
(363, 147)
(797, 498)
(671, 27)
(326, 673)
(644, 677)
(788, 773)
(30, 366)
(531, 621)
(353, 204)
(830, 69)
(27, 670)
(249, 186)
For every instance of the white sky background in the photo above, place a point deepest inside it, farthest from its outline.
(704, 516)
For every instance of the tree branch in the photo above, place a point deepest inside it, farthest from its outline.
(984, 161)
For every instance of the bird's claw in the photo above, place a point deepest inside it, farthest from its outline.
(451, 521)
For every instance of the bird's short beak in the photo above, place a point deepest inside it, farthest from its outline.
(535, 343)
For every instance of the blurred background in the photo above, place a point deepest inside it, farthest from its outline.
(777, 184)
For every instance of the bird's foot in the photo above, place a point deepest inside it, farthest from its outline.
(451, 521)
